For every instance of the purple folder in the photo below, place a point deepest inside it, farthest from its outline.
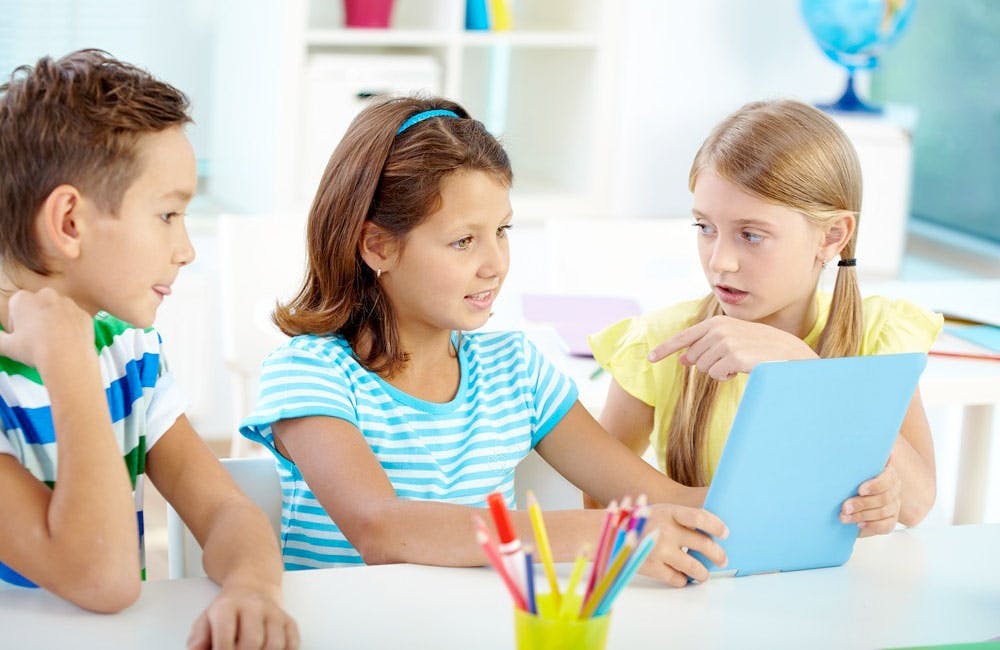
(575, 317)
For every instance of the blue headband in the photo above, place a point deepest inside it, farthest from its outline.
(420, 117)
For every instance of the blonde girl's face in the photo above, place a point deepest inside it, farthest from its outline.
(761, 260)
(450, 269)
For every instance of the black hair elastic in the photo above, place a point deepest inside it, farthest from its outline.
(848, 262)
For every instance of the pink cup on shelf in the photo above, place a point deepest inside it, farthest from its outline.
(367, 13)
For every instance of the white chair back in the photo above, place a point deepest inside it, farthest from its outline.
(258, 479)
(262, 260)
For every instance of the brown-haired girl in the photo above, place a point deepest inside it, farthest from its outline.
(777, 194)
(390, 420)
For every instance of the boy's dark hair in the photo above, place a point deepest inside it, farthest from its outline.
(76, 121)
(394, 181)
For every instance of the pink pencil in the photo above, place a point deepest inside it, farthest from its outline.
(983, 356)
(602, 547)
(493, 555)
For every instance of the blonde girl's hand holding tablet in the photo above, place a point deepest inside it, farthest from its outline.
(876, 508)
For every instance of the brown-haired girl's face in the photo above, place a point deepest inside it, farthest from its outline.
(760, 259)
(450, 268)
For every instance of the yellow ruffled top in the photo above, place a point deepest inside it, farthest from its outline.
(890, 326)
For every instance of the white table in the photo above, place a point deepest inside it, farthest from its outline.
(973, 385)
(931, 586)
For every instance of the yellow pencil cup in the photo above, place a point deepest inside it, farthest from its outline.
(549, 631)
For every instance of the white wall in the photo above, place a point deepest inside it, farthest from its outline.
(686, 64)
(172, 39)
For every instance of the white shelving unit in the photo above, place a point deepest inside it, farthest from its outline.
(545, 87)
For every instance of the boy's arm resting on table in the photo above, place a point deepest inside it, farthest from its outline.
(78, 540)
(906, 489)
(240, 551)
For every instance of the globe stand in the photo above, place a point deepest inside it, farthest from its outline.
(849, 102)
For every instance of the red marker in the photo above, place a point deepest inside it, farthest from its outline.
(483, 537)
(510, 545)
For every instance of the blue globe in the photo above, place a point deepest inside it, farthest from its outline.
(855, 33)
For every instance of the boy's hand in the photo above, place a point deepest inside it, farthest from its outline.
(244, 617)
(876, 508)
(723, 346)
(681, 529)
(44, 326)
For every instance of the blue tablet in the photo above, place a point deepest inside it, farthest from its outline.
(805, 436)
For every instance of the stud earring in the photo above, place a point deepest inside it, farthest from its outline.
(378, 273)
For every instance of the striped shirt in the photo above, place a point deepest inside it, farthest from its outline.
(142, 397)
(509, 397)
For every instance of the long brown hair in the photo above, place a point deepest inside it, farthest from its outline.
(791, 154)
(394, 181)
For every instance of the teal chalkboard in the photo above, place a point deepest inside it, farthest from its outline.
(948, 66)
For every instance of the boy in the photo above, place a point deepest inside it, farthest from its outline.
(95, 175)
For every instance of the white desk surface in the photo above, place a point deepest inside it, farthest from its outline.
(930, 586)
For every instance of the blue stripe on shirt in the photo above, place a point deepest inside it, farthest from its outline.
(508, 399)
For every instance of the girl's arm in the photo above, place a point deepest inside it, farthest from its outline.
(906, 489)
(629, 421)
(348, 481)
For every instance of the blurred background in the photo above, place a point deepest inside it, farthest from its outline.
(602, 105)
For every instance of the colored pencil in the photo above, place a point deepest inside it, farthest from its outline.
(529, 581)
(642, 551)
(494, 557)
(544, 550)
(641, 509)
(619, 540)
(602, 587)
(640, 521)
(625, 512)
(566, 611)
(602, 543)
(984, 356)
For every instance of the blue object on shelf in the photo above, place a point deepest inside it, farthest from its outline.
(854, 34)
(476, 15)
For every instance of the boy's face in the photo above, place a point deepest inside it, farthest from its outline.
(129, 260)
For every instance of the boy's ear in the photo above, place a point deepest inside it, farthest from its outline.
(57, 224)
(379, 249)
(837, 235)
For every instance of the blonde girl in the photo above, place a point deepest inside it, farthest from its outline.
(777, 194)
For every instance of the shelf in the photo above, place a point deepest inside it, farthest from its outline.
(554, 40)
(541, 86)
(376, 38)
(436, 38)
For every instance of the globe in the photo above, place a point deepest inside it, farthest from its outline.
(854, 34)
